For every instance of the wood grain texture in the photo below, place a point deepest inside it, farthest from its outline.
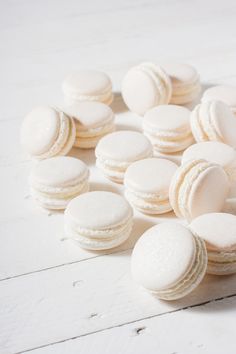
(51, 291)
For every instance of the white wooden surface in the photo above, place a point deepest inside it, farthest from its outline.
(55, 297)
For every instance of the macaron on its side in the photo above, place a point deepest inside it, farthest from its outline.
(168, 128)
(194, 189)
(146, 86)
(218, 232)
(87, 85)
(47, 132)
(193, 276)
(55, 181)
(215, 152)
(213, 121)
(111, 223)
(169, 261)
(224, 93)
(116, 151)
(147, 185)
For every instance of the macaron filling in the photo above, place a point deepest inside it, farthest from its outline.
(99, 239)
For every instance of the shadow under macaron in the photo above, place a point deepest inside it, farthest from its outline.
(118, 105)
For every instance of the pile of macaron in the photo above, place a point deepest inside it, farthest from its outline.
(169, 259)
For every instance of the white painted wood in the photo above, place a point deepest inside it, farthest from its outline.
(41, 41)
(196, 330)
(60, 303)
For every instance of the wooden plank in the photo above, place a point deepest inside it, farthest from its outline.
(195, 330)
(60, 303)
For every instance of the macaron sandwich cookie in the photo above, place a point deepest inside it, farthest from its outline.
(215, 152)
(55, 181)
(224, 93)
(116, 151)
(169, 261)
(87, 85)
(185, 80)
(92, 120)
(147, 185)
(98, 220)
(47, 132)
(198, 187)
(168, 128)
(145, 86)
(218, 230)
(213, 121)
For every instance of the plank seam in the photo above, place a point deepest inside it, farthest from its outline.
(63, 265)
(128, 323)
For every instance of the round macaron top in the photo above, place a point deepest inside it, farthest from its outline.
(167, 118)
(217, 229)
(212, 151)
(90, 114)
(87, 82)
(59, 171)
(124, 146)
(98, 210)
(180, 73)
(162, 256)
(40, 130)
(152, 175)
(224, 93)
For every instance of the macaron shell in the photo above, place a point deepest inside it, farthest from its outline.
(180, 73)
(167, 118)
(224, 122)
(224, 93)
(89, 115)
(40, 130)
(212, 151)
(162, 256)
(87, 82)
(209, 191)
(217, 229)
(107, 210)
(151, 175)
(59, 171)
(123, 146)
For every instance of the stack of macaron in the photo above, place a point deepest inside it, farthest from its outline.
(170, 259)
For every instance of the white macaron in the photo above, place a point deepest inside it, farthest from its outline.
(185, 80)
(168, 128)
(169, 261)
(147, 185)
(213, 151)
(47, 132)
(93, 120)
(116, 151)
(145, 86)
(213, 121)
(87, 85)
(98, 220)
(198, 187)
(218, 230)
(224, 93)
(54, 182)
